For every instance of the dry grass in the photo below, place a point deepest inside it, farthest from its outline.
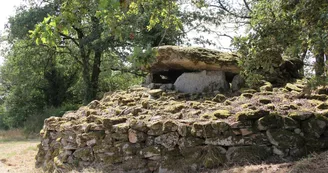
(17, 152)
(317, 163)
(11, 135)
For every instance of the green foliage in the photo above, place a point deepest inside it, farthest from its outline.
(77, 50)
(281, 29)
(34, 123)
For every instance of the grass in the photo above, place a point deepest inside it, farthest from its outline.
(17, 152)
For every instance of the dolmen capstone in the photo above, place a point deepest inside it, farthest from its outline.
(193, 70)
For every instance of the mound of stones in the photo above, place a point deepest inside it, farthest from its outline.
(143, 130)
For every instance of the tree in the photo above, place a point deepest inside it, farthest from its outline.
(85, 30)
(33, 77)
(281, 29)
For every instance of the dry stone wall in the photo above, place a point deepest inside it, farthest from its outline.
(144, 130)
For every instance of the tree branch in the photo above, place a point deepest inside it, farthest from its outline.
(221, 6)
(127, 71)
(247, 6)
(69, 37)
(70, 52)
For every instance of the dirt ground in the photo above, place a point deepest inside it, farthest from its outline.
(17, 155)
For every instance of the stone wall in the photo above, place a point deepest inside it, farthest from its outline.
(122, 134)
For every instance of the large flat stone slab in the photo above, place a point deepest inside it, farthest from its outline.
(193, 59)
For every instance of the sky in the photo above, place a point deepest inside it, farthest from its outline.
(7, 9)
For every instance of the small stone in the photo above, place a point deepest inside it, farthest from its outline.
(150, 152)
(251, 114)
(247, 95)
(269, 121)
(248, 154)
(270, 106)
(155, 92)
(266, 87)
(291, 87)
(301, 115)
(227, 102)
(221, 114)
(313, 127)
(190, 142)
(322, 106)
(136, 137)
(246, 132)
(298, 131)
(219, 98)
(284, 139)
(265, 100)
(252, 91)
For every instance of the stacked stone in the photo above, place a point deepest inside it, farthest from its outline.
(128, 144)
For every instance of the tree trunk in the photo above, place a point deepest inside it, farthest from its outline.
(87, 82)
(320, 63)
(95, 74)
(302, 70)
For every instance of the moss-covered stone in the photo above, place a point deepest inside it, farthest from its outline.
(321, 97)
(322, 106)
(265, 100)
(292, 87)
(251, 114)
(314, 127)
(134, 163)
(170, 126)
(315, 144)
(227, 141)
(175, 108)
(139, 125)
(150, 152)
(188, 142)
(227, 102)
(290, 123)
(300, 115)
(168, 140)
(184, 129)
(208, 116)
(220, 127)
(284, 139)
(266, 87)
(272, 120)
(248, 154)
(270, 106)
(221, 114)
(219, 98)
(246, 95)
(84, 154)
(109, 122)
(155, 92)
(203, 129)
(248, 90)
(155, 128)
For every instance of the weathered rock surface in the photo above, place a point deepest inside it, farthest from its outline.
(143, 130)
(193, 59)
(205, 81)
(237, 83)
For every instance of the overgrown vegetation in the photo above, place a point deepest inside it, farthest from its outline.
(63, 54)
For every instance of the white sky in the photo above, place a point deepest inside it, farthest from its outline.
(7, 9)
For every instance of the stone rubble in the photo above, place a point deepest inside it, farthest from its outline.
(143, 130)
